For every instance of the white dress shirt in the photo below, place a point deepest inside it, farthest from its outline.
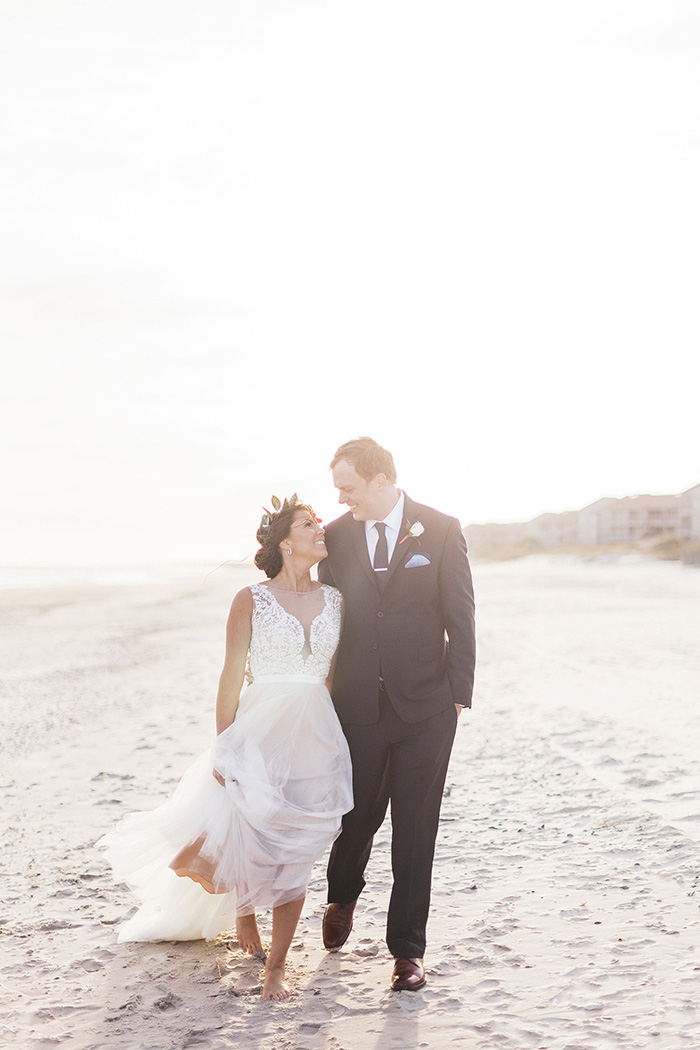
(393, 522)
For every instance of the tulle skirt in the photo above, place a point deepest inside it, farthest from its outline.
(211, 853)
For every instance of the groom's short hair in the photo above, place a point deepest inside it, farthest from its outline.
(367, 457)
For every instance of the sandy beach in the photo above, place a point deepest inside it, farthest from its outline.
(567, 878)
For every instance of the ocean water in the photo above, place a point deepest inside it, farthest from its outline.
(14, 577)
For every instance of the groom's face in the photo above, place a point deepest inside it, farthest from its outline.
(364, 499)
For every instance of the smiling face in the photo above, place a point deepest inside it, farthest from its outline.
(366, 500)
(305, 538)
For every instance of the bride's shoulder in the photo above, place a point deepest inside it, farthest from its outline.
(241, 610)
(332, 593)
(245, 595)
(254, 593)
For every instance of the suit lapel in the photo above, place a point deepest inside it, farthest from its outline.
(402, 549)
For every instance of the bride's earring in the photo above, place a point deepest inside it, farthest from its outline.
(289, 550)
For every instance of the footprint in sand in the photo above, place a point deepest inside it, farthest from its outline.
(49, 925)
(113, 776)
(167, 1002)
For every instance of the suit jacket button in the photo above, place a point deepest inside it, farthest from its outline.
(380, 614)
(375, 646)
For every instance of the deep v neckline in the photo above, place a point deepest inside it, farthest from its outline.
(307, 640)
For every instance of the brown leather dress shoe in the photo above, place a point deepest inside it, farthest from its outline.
(337, 923)
(408, 975)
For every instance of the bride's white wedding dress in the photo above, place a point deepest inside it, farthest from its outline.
(212, 852)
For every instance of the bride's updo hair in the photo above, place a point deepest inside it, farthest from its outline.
(269, 558)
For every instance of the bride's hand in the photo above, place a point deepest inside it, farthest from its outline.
(218, 777)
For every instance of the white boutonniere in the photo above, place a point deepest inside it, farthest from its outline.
(414, 531)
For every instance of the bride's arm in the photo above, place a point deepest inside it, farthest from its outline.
(237, 643)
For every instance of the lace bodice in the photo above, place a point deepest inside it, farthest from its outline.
(283, 643)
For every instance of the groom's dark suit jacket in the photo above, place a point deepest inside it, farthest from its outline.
(418, 634)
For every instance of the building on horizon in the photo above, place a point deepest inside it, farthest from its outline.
(608, 521)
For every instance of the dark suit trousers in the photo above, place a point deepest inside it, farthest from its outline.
(405, 762)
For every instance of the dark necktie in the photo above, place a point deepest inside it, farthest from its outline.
(381, 555)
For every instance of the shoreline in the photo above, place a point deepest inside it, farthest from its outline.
(32, 577)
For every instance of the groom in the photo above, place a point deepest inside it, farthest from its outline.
(405, 669)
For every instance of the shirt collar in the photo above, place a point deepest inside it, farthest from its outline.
(394, 518)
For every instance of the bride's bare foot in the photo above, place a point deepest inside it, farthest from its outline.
(248, 935)
(275, 986)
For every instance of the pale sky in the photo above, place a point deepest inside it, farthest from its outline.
(236, 234)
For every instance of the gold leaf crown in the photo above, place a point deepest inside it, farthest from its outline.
(270, 515)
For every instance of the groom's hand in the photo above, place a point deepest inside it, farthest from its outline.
(458, 709)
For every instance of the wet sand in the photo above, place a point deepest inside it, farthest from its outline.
(565, 901)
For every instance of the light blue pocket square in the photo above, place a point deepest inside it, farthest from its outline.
(417, 559)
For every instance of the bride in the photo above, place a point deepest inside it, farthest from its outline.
(252, 815)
